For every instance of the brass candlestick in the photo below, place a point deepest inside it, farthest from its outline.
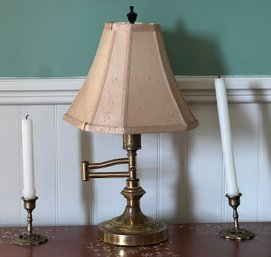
(236, 232)
(28, 237)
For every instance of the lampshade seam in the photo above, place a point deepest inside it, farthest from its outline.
(127, 77)
(105, 75)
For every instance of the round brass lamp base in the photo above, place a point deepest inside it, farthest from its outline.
(147, 233)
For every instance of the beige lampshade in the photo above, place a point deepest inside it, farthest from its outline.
(130, 87)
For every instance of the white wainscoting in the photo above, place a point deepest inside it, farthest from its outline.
(182, 173)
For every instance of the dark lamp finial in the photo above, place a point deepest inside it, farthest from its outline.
(132, 15)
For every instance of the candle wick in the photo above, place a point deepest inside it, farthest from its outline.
(27, 116)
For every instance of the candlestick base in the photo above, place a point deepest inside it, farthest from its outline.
(236, 233)
(29, 238)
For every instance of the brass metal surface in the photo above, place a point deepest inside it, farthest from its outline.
(114, 174)
(87, 174)
(236, 233)
(30, 204)
(84, 170)
(108, 163)
(117, 232)
(132, 228)
(27, 239)
(132, 142)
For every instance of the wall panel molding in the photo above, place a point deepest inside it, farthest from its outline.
(38, 90)
(250, 89)
(196, 89)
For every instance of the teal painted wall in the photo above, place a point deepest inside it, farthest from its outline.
(56, 38)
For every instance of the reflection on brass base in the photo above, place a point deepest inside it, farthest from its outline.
(237, 234)
(30, 239)
(148, 233)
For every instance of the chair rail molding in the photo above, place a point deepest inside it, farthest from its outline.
(195, 89)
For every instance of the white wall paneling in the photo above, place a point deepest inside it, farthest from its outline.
(10, 166)
(182, 174)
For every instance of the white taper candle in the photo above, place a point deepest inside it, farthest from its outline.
(29, 191)
(226, 137)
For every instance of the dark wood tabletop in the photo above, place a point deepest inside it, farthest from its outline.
(187, 240)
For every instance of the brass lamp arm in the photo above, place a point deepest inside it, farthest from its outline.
(87, 174)
(108, 163)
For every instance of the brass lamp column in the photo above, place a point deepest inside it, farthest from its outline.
(130, 89)
(132, 228)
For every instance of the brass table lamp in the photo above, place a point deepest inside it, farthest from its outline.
(130, 89)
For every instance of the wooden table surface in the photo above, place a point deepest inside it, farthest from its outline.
(188, 240)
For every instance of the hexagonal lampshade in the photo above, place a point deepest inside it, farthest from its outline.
(130, 87)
